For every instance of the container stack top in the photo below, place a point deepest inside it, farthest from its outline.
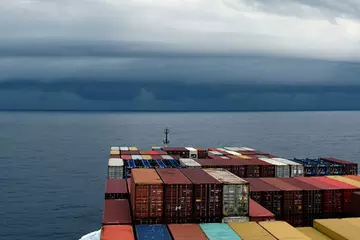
(281, 184)
(115, 162)
(256, 210)
(114, 231)
(336, 183)
(251, 231)
(345, 180)
(172, 176)
(116, 212)
(219, 231)
(199, 176)
(189, 162)
(283, 230)
(256, 185)
(274, 162)
(317, 183)
(302, 185)
(116, 186)
(156, 231)
(313, 233)
(145, 176)
(186, 232)
(337, 229)
(225, 176)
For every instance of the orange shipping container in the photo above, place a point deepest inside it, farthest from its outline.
(186, 232)
(124, 232)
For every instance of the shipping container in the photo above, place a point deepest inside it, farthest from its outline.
(156, 231)
(126, 157)
(251, 231)
(133, 152)
(116, 168)
(186, 232)
(178, 196)
(133, 148)
(296, 169)
(312, 233)
(353, 221)
(346, 188)
(167, 157)
(177, 151)
(349, 181)
(207, 197)
(350, 168)
(337, 229)
(218, 157)
(156, 152)
(117, 232)
(146, 195)
(235, 192)
(281, 169)
(235, 219)
(355, 203)
(258, 213)
(114, 154)
(354, 177)
(219, 231)
(202, 153)
(282, 230)
(292, 196)
(266, 195)
(310, 168)
(116, 189)
(232, 165)
(189, 163)
(332, 195)
(193, 153)
(146, 157)
(124, 149)
(116, 212)
(136, 157)
(233, 148)
(114, 148)
(215, 153)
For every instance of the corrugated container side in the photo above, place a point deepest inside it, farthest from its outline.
(251, 231)
(178, 151)
(296, 169)
(116, 168)
(186, 232)
(235, 192)
(178, 196)
(116, 212)
(189, 163)
(266, 195)
(292, 196)
(219, 231)
(202, 153)
(283, 230)
(259, 213)
(313, 233)
(350, 168)
(157, 231)
(337, 229)
(113, 232)
(116, 189)
(235, 219)
(232, 165)
(207, 198)
(355, 203)
(281, 169)
(146, 195)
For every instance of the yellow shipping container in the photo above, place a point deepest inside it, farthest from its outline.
(337, 229)
(115, 152)
(133, 149)
(283, 231)
(146, 157)
(346, 180)
(250, 231)
(313, 233)
(353, 221)
(244, 157)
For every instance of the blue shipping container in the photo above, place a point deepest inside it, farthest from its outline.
(156, 231)
(219, 231)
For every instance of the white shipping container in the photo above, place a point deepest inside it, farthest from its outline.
(167, 157)
(136, 157)
(233, 148)
(189, 163)
(116, 168)
(124, 148)
(281, 169)
(216, 153)
(221, 149)
(193, 153)
(235, 219)
(235, 192)
(246, 149)
(233, 153)
(115, 149)
(296, 169)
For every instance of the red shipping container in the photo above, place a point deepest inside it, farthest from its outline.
(156, 157)
(152, 152)
(258, 213)
(146, 195)
(294, 220)
(332, 200)
(178, 195)
(114, 155)
(355, 203)
(126, 157)
(202, 153)
(292, 196)
(177, 151)
(207, 195)
(116, 189)
(123, 232)
(266, 195)
(186, 232)
(219, 157)
(350, 168)
(312, 196)
(116, 212)
(347, 190)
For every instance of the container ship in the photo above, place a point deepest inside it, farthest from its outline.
(188, 193)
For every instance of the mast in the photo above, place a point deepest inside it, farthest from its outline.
(166, 141)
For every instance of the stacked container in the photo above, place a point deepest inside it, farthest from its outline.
(235, 193)
(266, 195)
(116, 212)
(292, 207)
(146, 196)
(296, 169)
(156, 231)
(259, 213)
(186, 232)
(337, 229)
(116, 189)
(189, 163)
(283, 231)
(281, 169)
(193, 153)
(113, 232)
(178, 196)
(219, 231)
(349, 167)
(207, 198)
(251, 231)
(177, 151)
(232, 165)
(116, 168)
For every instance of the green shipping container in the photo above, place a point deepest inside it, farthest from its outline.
(219, 231)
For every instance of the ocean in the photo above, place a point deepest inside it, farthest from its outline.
(53, 164)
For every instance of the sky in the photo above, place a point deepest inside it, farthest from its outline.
(180, 55)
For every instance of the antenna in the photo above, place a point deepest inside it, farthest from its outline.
(166, 141)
